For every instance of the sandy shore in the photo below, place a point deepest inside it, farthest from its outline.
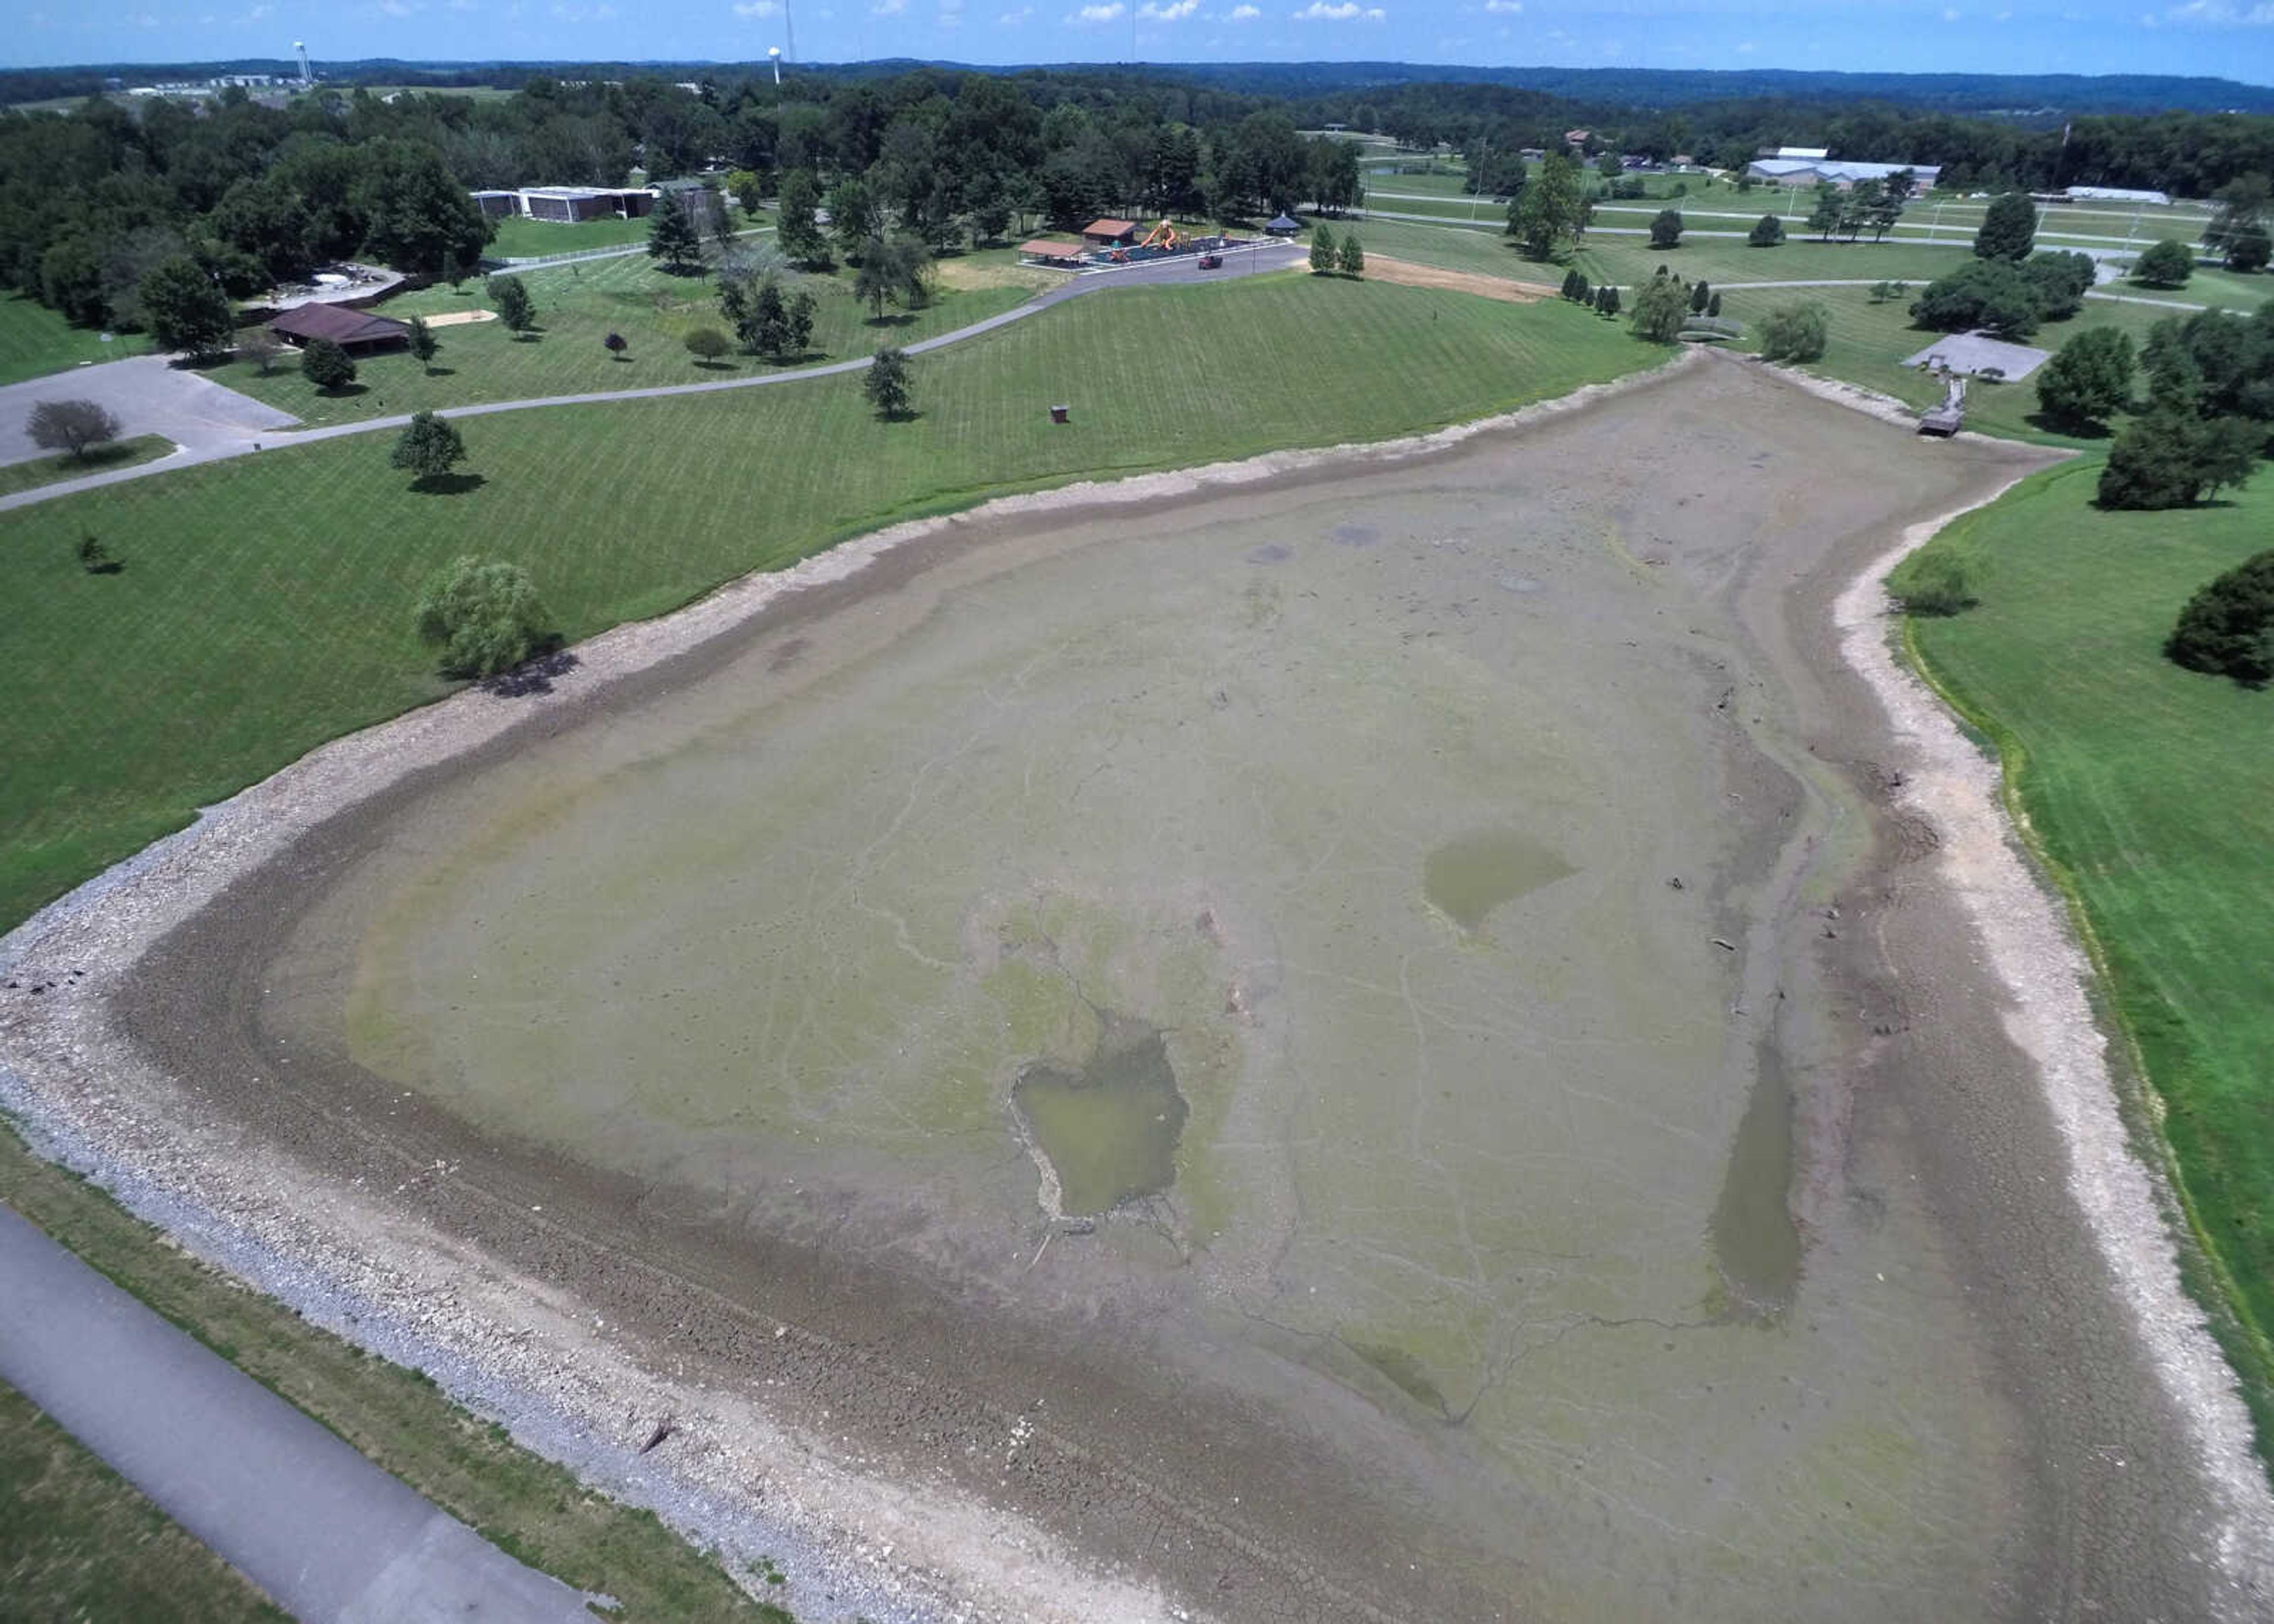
(585, 1389)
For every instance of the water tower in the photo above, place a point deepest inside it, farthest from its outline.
(306, 78)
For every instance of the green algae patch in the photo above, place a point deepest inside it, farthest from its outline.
(1469, 876)
(1110, 1128)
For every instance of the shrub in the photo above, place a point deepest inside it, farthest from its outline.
(72, 425)
(1795, 332)
(2165, 265)
(326, 365)
(1931, 581)
(615, 344)
(94, 557)
(485, 616)
(707, 343)
(2228, 628)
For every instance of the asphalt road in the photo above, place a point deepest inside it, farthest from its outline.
(215, 440)
(330, 1536)
(149, 396)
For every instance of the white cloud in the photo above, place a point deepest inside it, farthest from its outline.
(1012, 19)
(888, 8)
(1097, 13)
(1174, 11)
(1349, 11)
(1505, 8)
(1951, 13)
(2217, 14)
(1244, 14)
(397, 8)
(754, 9)
(1747, 48)
(147, 20)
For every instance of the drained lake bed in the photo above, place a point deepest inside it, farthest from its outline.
(1368, 1057)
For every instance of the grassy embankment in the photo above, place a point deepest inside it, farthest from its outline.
(2149, 792)
(99, 460)
(34, 341)
(577, 306)
(93, 1543)
(78, 1541)
(519, 237)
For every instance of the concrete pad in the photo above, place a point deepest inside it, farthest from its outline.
(151, 395)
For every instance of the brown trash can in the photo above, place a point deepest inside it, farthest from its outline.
(1061, 414)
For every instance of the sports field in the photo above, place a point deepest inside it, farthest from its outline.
(2150, 792)
(226, 649)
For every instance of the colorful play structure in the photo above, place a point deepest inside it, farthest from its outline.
(1106, 246)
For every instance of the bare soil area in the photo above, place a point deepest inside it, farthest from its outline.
(1602, 1185)
(1412, 276)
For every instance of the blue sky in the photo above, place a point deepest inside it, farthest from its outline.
(2234, 38)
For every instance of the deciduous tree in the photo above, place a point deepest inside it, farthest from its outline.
(485, 616)
(72, 425)
(185, 311)
(424, 344)
(2009, 228)
(801, 238)
(428, 447)
(1767, 232)
(672, 236)
(326, 365)
(2228, 628)
(2167, 459)
(1351, 261)
(1666, 229)
(1549, 209)
(510, 297)
(2166, 264)
(1795, 332)
(1660, 305)
(707, 344)
(886, 383)
(2089, 378)
(1323, 251)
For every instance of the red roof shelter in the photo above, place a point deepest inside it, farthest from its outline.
(349, 329)
(1106, 233)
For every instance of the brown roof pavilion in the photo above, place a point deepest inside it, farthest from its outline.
(1046, 248)
(349, 329)
(1109, 230)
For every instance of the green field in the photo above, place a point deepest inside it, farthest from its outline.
(35, 341)
(228, 648)
(100, 459)
(2150, 790)
(578, 305)
(1722, 260)
(80, 1535)
(518, 238)
(78, 1541)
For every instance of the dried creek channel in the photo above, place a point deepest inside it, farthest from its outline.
(1363, 1044)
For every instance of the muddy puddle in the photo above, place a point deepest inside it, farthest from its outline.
(1104, 871)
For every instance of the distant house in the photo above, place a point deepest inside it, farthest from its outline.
(1841, 172)
(1051, 251)
(1109, 233)
(351, 330)
(699, 199)
(1804, 153)
(498, 204)
(1531, 154)
(1577, 138)
(2114, 194)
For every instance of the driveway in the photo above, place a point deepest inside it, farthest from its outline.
(330, 1536)
(149, 396)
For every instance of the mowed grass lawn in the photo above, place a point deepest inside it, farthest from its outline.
(265, 604)
(1868, 341)
(2152, 790)
(577, 306)
(34, 341)
(78, 1541)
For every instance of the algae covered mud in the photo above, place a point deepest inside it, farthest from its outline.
(1324, 1005)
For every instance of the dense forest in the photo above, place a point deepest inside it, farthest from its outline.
(92, 199)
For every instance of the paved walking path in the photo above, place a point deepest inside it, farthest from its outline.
(330, 1536)
(1263, 257)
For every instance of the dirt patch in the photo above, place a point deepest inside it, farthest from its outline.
(962, 275)
(461, 318)
(1406, 274)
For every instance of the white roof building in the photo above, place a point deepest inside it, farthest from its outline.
(1799, 152)
(1842, 173)
(2114, 194)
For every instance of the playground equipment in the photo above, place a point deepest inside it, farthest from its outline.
(1162, 237)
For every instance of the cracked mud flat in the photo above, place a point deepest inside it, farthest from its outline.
(1545, 1239)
